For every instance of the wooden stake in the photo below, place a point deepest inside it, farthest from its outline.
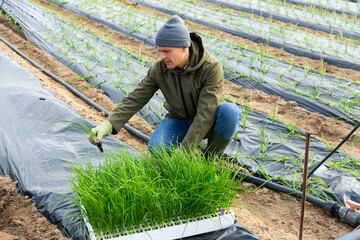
(304, 184)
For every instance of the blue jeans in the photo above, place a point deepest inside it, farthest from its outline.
(171, 131)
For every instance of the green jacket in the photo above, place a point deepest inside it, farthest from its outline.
(194, 94)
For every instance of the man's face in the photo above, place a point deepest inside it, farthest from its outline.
(173, 56)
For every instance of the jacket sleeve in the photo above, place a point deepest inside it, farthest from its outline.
(133, 102)
(210, 98)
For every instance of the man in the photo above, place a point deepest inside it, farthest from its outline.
(191, 80)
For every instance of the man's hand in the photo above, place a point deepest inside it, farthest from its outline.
(100, 132)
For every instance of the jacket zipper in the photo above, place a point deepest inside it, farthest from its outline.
(182, 97)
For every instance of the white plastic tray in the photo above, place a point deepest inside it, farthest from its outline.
(201, 225)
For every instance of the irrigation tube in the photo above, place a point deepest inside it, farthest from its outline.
(334, 150)
(330, 207)
(76, 92)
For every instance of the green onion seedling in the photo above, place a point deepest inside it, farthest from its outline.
(83, 128)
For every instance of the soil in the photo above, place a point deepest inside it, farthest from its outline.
(19, 217)
(267, 214)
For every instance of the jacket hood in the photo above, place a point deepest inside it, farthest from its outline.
(198, 53)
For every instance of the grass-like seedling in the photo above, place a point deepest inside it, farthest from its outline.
(126, 192)
(86, 128)
(264, 140)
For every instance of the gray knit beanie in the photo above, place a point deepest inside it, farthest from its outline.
(173, 34)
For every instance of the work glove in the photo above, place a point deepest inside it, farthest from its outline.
(100, 132)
